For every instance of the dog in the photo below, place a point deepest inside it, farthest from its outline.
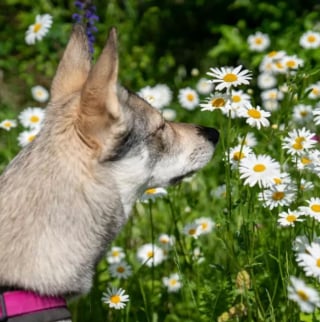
(67, 194)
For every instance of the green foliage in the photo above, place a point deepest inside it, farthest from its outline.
(161, 42)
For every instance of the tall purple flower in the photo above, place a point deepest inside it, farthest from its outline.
(87, 16)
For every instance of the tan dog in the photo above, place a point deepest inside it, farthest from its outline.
(67, 194)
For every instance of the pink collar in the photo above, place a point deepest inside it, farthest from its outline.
(15, 303)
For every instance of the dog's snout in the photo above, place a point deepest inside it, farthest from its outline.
(209, 133)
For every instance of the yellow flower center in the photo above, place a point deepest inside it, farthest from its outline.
(173, 282)
(278, 195)
(315, 91)
(236, 98)
(120, 269)
(291, 218)
(318, 262)
(218, 102)
(252, 112)
(151, 191)
(230, 78)
(258, 40)
(192, 231)
(31, 138)
(305, 161)
(190, 97)
(115, 253)
(115, 299)
(34, 119)
(303, 295)
(279, 65)
(37, 27)
(298, 143)
(204, 225)
(315, 207)
(277, 180)
(7, 124)
(259, 167)
(303, 113)
(150, 254)
(272, 53)
(237, 156)
(311, 38)
(291, 64)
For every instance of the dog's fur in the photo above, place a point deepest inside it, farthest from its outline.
(67, 194)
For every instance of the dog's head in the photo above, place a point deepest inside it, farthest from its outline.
(124, 137)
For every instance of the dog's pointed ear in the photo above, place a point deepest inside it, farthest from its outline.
(74, 66)
(99, 94)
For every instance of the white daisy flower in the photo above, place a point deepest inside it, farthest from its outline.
(39, 93)
(39, 29)
(306, 297)
(271, 105)
(217, 101)
(115, 298)
(302, 113)
(173, 283)
(151, 95)
(276, 195)
(227, 77)
(272, 94)
(256, 117)
(310, 260)
(197, 255)
(32, 117)
(169, 114)
(283, 178)
(258, 41)
(289, 218)
(300, 243)
(153, 194)
(205, 225)
(292, 62)
(306, 185)
(249, 140)
(150, 255)
(26, 137)
(298, 141)
(204, 86)
(164, 95)
(260, 169)
(120, 270)
(115, 255)
(312, 209)
(166, 240)
(192, 230)
(310, 40)
(266, 80)
(188, 98)
(237, 153)
(8, 124)
(313, 91)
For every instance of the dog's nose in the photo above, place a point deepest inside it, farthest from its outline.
(209, 133)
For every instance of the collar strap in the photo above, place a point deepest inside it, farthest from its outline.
(23, 302)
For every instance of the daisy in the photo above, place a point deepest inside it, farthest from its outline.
(120, 270)
(313, 91)
(303, 161)
(276, 195)
(115, 298)
(300, 243)
(227, 77)
(192, 230)
(204, 86)
(32, 117)
(259, 170)
(258, 41)
(310, 260)
(205, 225)
(26, 137)
(272, 94)
(164, 95)
(293, 62)
(150, 255)
(302, 113)
(151, 95)
(310, 40)
(188, 98)
(237, 153)
(283, 178)
(8, 124)
(115, 255)
(298, 141)
(173, 283)
(306, 297)
(256, 117)
(271, 105)
(289, 218)
(266, 80)
(217, 101)
(153, 194)
(169, 114)
(38, 30)
(197, 255)
(306, 185)
(313, 208)
(220, 192)
(249, 140)
(39, 93)
(166, 240)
